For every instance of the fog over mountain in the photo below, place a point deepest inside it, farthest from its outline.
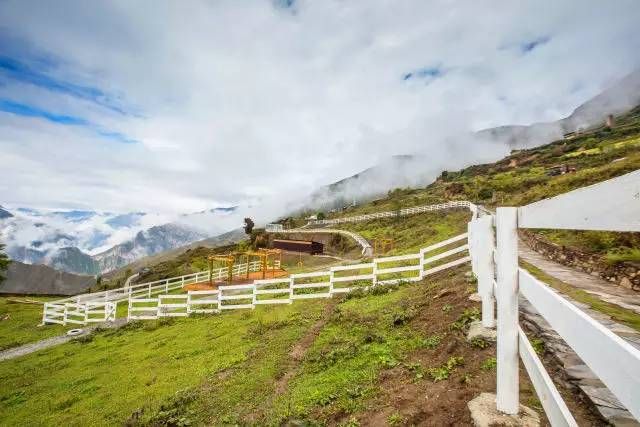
(486, 145)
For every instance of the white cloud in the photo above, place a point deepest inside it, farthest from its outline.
(238, 102)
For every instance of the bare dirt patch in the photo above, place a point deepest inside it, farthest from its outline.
(299, 350)
(416, 391)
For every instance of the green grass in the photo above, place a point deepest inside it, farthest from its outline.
(617, 313)
(134, 369)
(609, 153)
(364, 336)
(19, 323)
(410, 233)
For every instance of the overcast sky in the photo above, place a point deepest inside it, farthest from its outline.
(181, 106)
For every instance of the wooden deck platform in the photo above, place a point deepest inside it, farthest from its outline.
(237, 280)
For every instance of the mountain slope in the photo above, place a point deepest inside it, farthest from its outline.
(419, 169)
(43, 280)
(149, 242)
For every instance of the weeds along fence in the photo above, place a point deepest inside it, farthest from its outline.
(97, 304)
(613, 205)
(319, 284)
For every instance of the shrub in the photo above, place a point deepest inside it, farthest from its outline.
(489, 364)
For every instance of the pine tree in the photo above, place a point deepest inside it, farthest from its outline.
(4, 262)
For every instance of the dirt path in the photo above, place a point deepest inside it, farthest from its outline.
(299, 350)
(29, 348)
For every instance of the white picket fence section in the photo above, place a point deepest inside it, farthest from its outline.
(78, 313)
(391, 214)
(67, 310)
(611, 205)
(317, 284)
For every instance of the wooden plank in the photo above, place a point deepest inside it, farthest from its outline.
(444, 243)
(141, 300)
(396, 258)
(235, 297)
(272, 301)
(314, 274)
(612, 359)
(612, 205)
(271, 291)
(312, 285)
(271, 281)
(398, 281)
(447, 265)
(446, 254)
(352, 267)
(553, 404)
(397, 269)
(353, 278)
(203, 301)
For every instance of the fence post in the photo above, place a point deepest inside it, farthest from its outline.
(507, 295)
(484, 252)
(44, 313)
(291, 282)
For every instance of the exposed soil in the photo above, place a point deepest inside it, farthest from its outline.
(299, 350)
(406, 399)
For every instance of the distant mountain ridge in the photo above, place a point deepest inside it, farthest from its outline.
(51, 238)
(43, 280)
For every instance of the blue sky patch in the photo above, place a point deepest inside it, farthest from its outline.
(26, 110)
(31, 111)
(21, 72)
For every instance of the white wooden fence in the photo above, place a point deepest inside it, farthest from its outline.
(391, 214)
(78, 313)
(611, 205)
(68, 310)
(319, 284)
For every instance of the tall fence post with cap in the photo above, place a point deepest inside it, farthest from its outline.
(507, 399)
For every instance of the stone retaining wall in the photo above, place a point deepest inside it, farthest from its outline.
(623, 274)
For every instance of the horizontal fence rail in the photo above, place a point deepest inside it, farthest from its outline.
(612, 205)
(317, 284)
(54, 311)
(392, 214)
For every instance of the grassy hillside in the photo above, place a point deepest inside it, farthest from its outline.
(411, 233)
(18, 323)
(323, 361)
(524, 177)
(395, 357)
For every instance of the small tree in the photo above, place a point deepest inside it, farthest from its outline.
(320, 215)
(248, 225)
(4, 262)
